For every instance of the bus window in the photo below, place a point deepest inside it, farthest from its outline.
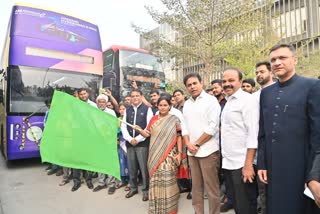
(108, 60)
(133, 59)
(30, 86)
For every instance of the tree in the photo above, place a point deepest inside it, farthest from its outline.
(309, 65)
(173, 85)
(208, 31)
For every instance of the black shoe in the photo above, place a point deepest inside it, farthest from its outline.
(111, 190)
(189, 196)
(145, 196)
(52, 171)
(183, 190)
(89, 184)
(99, 187)
(75, 187)
(259, 210)
(48, 168)
(225, 207)
(59, 172)
(131, 193)
(63, 182)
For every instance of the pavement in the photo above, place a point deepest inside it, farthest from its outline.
(25, 188)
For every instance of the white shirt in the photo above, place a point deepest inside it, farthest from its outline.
(178, 114)
(202, 116)
(92, 103)
(257, 95)
(239, 129)
(124, 129)
(110, 111)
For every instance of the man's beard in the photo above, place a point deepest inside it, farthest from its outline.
(102, 108)
(218, 95)
(264, 81)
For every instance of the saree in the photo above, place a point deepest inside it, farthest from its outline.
(163, 167)
(122, 153)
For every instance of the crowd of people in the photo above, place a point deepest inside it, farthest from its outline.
(254, 151)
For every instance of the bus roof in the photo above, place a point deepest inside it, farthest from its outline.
(48, 9)
(120, 47)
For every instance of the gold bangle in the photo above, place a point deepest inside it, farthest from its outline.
(180, 152)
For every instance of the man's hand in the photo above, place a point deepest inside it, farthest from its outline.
(137, 128)
(314, 186)
(108, 93)
(178, 158)
(263, 176)
(134, 142)
(248, 173)
(192, 148)
(134, 84)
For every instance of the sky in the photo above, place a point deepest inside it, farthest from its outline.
(113, 17)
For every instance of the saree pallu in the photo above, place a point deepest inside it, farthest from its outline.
(124, 169)
(123, 160)
(163, 189)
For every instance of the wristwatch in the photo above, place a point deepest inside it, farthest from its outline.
(197, 145)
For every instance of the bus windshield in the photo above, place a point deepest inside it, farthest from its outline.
(30, 86)
(134, 59)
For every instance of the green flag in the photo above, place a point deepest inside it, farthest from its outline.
(80, 136)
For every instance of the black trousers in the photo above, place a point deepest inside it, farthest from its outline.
(76, 174)
(244, 194)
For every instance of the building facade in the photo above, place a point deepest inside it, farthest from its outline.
(295, 21)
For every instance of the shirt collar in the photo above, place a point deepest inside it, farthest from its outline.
(288, 82)
(135, 107)
(236, 95)
(201, 95)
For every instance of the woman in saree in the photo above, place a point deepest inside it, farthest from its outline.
(164, 158)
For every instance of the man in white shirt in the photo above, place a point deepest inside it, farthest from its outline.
(201, 113)
(102, 101)
(239, 132)
(83, 94)
(264, 77)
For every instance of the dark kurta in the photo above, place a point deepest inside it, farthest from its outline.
(289, 127)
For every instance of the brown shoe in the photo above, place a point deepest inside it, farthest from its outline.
(145, 196)
(127, 188)
(131, 193)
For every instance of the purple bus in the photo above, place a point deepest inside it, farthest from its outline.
(44, 51)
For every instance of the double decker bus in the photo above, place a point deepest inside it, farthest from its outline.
(122, 65)
(44, 51)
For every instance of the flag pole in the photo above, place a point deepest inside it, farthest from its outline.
(128, 124)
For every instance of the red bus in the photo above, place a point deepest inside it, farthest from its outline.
(122, 65)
